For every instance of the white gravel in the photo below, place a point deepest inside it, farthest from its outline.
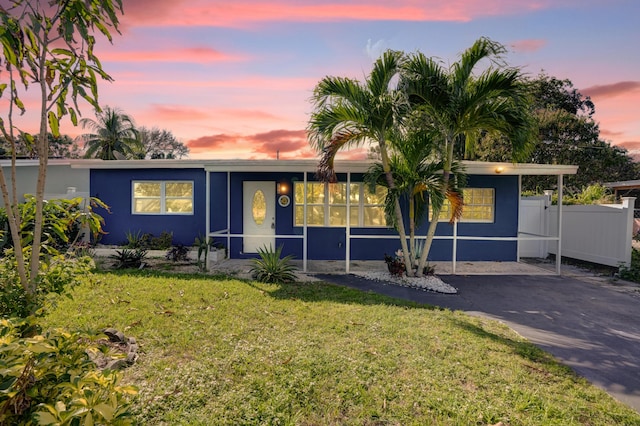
(427, 283)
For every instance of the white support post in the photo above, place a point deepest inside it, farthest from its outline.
(519, 218)
(559, 250)
(347, 244)
(455, 247)
(628, 203)
(229, 214)
(207, 228)
(304, 226)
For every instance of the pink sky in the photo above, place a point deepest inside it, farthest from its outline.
(232, 79)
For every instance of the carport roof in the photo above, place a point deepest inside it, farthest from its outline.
(306, 165)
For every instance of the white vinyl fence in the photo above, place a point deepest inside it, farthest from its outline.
(594, 233)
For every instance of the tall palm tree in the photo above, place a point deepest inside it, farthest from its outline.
(457, 107)
(113, 137)
(417, 166)
(349, 113)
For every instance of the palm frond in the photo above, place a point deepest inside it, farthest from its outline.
(457, 203)
(384, 70)
(325, 171)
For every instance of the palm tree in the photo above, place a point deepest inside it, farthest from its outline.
(349, 113)
(458, 107)
(417, 170)
(113, 137)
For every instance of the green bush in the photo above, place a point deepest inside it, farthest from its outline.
(127, 258)
(148, 241)
(270, 268)
(50, 379)
(63, 221)
(592, 194)
(178, 253)
(57, 273)
(631, 272)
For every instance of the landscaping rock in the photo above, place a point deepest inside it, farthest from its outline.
(125, 348)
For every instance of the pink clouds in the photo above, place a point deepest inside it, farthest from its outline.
(611, 90)
(531, 45)
(189, 54)
(276, 143)
(242, 13)
(283, 144)
(177, 113)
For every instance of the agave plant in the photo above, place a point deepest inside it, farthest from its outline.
(270, 268)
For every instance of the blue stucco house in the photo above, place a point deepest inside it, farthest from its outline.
(246, 204)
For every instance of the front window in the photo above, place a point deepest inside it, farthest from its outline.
(327, 205)
(162, 197)
(478, 206)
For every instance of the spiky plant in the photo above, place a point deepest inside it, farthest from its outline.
(271, 268)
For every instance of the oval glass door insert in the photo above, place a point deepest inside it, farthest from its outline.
(259, 207)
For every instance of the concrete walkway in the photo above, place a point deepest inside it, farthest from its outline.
(589, 323)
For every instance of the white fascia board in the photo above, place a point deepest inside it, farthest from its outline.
(293, 166)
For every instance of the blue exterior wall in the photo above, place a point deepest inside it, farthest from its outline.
(114, 187)
(324, 243)
(329, 243)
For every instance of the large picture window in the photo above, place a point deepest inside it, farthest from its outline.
(327, 205)
(162, 197)
(478, 206)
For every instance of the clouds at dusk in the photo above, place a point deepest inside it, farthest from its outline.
(187, 54)
(283, 144)
(234, 78)
(238, 13)
(614, 89)
(528, 45)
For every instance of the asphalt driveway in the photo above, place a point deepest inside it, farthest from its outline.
(590, 327)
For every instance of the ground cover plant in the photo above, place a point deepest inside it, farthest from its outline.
(222, 351)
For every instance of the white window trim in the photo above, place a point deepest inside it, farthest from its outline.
(326, 207)
(163, 198)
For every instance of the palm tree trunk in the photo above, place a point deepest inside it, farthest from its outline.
(398, 211)
(446, 173)
(412, 229)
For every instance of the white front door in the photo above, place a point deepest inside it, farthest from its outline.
(259, 215)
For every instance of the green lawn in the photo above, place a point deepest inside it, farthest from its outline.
(216, 351)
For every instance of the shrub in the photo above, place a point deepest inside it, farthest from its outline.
(63, 221)
(127, 258)
(162, 242)
(270, 268)
(136, 240)
(50, 379)
(56, 275)
(149, 241)
(178, 253)
(631, 272)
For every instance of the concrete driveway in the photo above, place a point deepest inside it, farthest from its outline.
(593, 327)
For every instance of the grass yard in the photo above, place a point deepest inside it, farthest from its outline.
(217, 351)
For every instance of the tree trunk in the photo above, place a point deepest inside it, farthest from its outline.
(11, 202)
(42, 145)
(398, 212)
(13, 217)
(446, 173)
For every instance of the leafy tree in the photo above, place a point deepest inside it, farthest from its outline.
(456, 107)
(348, 113)
(48, 46)
(61, 146)
(113, 135)
(159, 144)
(568, 134)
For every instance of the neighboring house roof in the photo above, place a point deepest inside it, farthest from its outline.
(308, 165)
(625, 184)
